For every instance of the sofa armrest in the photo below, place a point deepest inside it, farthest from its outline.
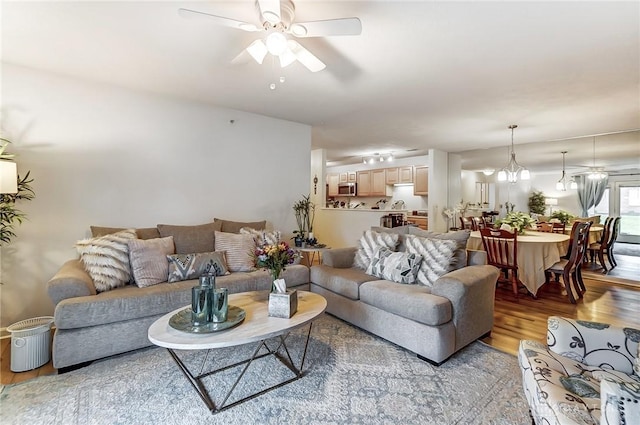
(471, 291)
(340, 258)
(70, 281)
(591, 342)
(476, 257)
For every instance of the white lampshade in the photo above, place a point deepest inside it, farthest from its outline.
(276, 43)
(551, 201)
(8, 177)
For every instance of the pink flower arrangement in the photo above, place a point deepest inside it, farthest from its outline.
(275, 258)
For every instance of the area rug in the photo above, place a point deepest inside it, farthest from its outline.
(352, 377)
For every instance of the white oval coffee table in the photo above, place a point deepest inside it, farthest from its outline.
(257, 326)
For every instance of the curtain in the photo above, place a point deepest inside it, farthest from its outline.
(590, 192)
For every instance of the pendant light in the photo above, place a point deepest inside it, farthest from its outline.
(596, 173)
(562, 183)
(510, 172)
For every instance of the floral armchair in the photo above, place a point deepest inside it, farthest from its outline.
(588, 373)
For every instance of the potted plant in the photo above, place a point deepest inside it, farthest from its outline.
(517, 220)
(9, 214)
(563, 216)
(536, 202)
(304, 211)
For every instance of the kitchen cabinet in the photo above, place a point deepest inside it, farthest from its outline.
(348, 177)
(332, 182)
(372, 183)
(396, 175)
(420, 221)
(421, 180)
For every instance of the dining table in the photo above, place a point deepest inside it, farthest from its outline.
(595, 233)
(537, 251)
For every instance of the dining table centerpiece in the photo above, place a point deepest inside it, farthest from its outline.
(516, 220)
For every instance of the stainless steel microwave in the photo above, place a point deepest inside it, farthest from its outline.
(347, 189)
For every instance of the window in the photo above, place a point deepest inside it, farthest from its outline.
(602, 209)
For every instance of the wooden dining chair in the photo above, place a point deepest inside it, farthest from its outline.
(605, 245)
(544, 227)
(558, 228)
(478, 223)
(570, 269)
(465, 223)
(501, 247)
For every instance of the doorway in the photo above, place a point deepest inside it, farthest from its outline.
(622, 198)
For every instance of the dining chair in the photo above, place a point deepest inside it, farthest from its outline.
(544, 227)
(570, 268)
(501, 247)
(478, 223)
(465, 223)
(558, 228)
(605, 245)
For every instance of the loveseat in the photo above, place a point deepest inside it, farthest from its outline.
(92, 323)
(433, 319)
(588, 373)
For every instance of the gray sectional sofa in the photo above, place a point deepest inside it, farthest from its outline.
(91, 325)
(433, 322)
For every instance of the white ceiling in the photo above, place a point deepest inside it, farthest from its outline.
(445, 75)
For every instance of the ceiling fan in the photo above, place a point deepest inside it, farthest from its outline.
(277, 22)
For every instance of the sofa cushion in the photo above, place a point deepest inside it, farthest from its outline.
(106, 259)
(143, 233)
(400, 267)
(229, 226)
(191, 239)
(437, 257)
(263, 237)
(192, 266)
(239, 250)
(414, 302)
(345, 282)
(460, 237)
(369, 242)
(148, 258)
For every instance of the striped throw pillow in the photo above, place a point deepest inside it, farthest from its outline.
(437, 257)
(238, 250)
(369, 242)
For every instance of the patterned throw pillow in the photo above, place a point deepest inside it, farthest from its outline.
(369, 242)
(192, 266)
(238, 250)
(148, 258)
(106, 259)
(437, 257)
(400, 267)
(263, 237)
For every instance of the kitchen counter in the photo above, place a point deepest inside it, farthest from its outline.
(343, 227)
(386, 211)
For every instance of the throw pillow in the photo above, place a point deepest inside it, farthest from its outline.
(460, 237)
(636, 362)
(106, 259)
(191, 239)
(238, 250)
(369, 242)
(148, 258)
(192, 266)
(262, 237)
(400, 267)
(437, 257)
(229, 226)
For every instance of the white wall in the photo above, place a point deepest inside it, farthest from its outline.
(102, 155)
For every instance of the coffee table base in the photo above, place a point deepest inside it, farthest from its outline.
(198, 385)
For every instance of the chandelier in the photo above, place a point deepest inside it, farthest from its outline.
(596, 173)
(510, 172)
(562, 183)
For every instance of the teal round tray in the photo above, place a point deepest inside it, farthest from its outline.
(182, 321)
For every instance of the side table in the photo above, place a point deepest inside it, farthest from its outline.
(310, 254)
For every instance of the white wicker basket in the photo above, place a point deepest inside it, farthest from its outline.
(30, 343)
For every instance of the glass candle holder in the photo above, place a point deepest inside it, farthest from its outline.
(219, 305)
(201, 305)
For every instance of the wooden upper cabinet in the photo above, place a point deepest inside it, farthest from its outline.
(378, 183)
(392, 175)
(421, 180)
(333, 180)
(364, 183)
(405, 174)
(343, 177)
(351, 177)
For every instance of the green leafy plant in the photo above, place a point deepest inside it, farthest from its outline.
(517, 220)
(536, 202)
(10, 216)
(305, 212)
(563, 216)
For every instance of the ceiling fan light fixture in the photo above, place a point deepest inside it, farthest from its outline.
(596, 173)
(276, 43)
(287, 58)
(271, 17)
(298, 30)
(258, 51)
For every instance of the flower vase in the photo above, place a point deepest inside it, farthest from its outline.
(275, 275)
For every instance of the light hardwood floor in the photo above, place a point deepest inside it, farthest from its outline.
(609, 299)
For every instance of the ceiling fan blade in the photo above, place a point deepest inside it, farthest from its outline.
(258, 50)
(330, 27)
(270, 10)
(305, 57)
(227, 22)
